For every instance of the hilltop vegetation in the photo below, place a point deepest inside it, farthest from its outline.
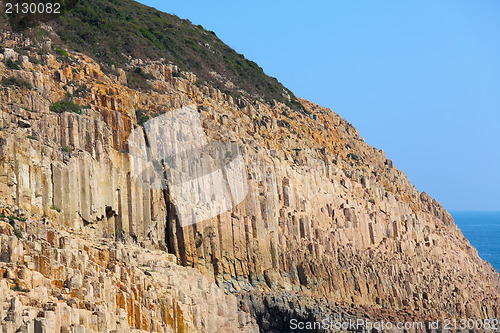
(113, 30)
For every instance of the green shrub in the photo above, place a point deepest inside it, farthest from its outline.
(151, 37)
(112, 31)
(16, 287)
(53, 207)
(80, 91)
(13, 64)
(141, 116)
(66, 149)
(13, 81)
(353, 156)
(35, 61)
(137, 79)
(67, 106)
(61, 52)
(18, 233)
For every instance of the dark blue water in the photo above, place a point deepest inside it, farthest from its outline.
(482, 229)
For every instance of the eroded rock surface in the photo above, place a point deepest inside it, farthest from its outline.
(57, 280)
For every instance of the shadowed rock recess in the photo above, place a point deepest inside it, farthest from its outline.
(330, 227)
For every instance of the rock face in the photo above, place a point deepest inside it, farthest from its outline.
(55, 280)
(326, 215)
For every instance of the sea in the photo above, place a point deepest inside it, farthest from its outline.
(482, 229)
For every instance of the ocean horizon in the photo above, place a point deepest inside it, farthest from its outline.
(482, 229)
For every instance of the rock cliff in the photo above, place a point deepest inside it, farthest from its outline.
(59, 280)
(326, 216)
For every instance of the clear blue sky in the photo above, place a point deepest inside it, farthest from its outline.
(418, 79)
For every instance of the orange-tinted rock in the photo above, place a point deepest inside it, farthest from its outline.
(326, 214)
